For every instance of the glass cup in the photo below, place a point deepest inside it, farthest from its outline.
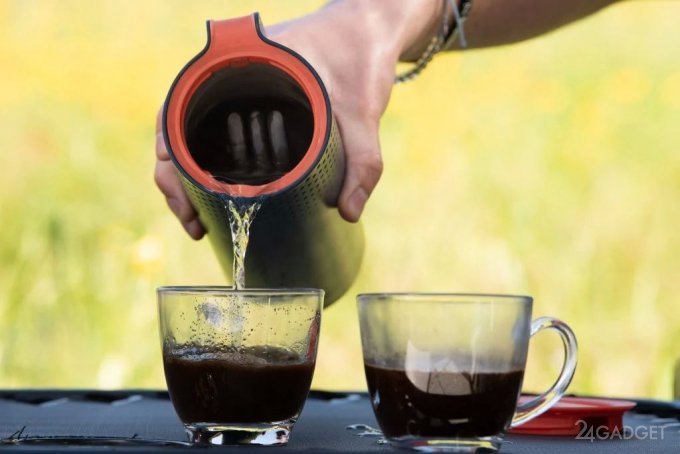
(444, 371)
(239, 363)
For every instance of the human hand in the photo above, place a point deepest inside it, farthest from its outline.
(354, 45)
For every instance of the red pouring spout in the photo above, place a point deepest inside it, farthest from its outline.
(239, 44)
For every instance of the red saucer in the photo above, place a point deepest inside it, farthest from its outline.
(570, 415)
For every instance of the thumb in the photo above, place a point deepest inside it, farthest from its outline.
(364, 166)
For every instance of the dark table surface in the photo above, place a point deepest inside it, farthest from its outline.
(144, 421)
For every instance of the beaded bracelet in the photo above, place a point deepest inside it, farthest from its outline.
(442, 39)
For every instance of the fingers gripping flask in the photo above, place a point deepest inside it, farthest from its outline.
(215, 122)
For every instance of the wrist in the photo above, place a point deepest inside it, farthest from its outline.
(420, 21)
(403, 27)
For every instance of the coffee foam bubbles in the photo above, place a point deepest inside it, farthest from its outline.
(259, 355)
(417, 361)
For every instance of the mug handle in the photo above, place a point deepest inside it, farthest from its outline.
(542, 403)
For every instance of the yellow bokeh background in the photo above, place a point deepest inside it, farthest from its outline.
(548, 168)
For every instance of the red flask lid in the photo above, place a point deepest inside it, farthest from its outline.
(570, 415)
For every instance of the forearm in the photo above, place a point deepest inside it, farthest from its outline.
(497, 22)
(490, 23)
(402, 29)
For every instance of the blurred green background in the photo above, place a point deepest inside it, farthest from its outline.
(550, 168)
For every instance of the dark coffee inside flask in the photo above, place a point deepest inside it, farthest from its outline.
(248, 124)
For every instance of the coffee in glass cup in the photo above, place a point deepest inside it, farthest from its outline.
(444, 371)
(239, 363)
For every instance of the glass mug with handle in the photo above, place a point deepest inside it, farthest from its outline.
(444, 371)
(239, 363)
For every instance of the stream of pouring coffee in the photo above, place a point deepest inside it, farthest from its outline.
(263, 161)
(241, 215)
